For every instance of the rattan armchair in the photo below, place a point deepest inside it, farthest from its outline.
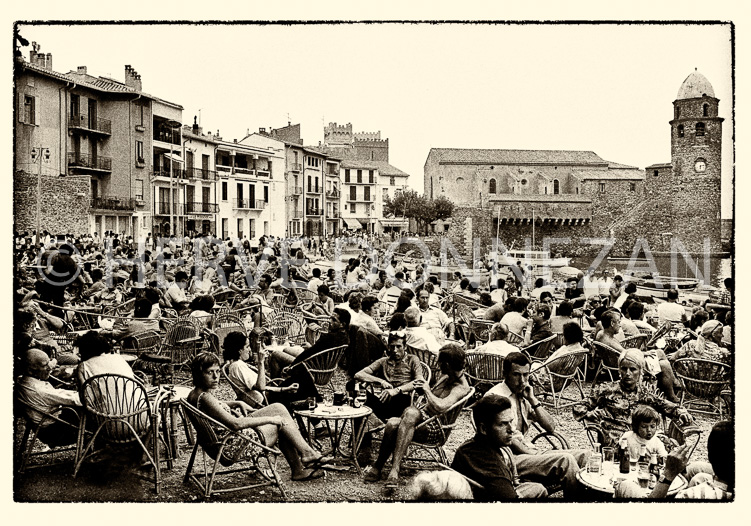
(703, 382)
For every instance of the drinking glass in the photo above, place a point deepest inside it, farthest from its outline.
(608, 455)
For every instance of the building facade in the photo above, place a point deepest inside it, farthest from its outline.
(579, 195)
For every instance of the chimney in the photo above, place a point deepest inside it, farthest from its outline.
(261, 130)
(235, 141)
(49, 61)
(196, 127)
(132, 78)
(82, 70)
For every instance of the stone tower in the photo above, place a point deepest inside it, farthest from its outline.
(695, 152)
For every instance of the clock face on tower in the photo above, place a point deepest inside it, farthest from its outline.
(700, 166)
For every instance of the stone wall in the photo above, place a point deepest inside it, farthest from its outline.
(64, 203)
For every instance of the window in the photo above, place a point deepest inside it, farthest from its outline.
(75, 105)
(546, 189)
(677, 112)
(316, 187)
(140, 114)
(577, 189)
(139, 152)
(524, 182)
(346, 175)
(139, 189)
(29, 109)
(352, 193)
(372, 156)
(266, 194)
(240, 228)
(371, 176)
(392, 181)
(310, 183)
(492, 188)
(602, 188)
(556, 187)
(353, 208)
(224, 190)
(700, 128)
(681, 131)
(225, 228)
(239, 193)
(632, 187)
(367, 194)
(359, 176)
(656, 173)
(705, 110)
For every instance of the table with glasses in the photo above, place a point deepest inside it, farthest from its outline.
(339, 416)
(609, 475)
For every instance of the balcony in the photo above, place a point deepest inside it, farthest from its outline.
(89, 162)
(200, 173)
(364, 199)
(163, 208)
(297, 214)
(263, 172)
(246, 171)
(168, 136)
(295, 167)
(201, 208)
(84, 123)
(249, 204)
(334, 215)
(296, 190)
(113, 203)
(315, 189)
(313, 212)
(332, 193)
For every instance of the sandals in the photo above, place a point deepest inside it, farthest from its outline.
(314, 474)
(318, 462)
(371, 474)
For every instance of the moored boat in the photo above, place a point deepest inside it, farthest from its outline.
(536, 258)
(658, 286)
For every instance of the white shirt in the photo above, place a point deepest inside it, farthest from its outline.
(420, 338)
(499, 347)
(670, 312)
(515, 321)
(313, 284)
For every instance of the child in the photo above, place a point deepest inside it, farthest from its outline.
(644, 423)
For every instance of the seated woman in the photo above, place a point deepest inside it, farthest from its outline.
(707, 346)
(140, 322)
(202, 308)
(451, 387)
(97, 358)
(237, 352)
(273, 422)
(573, 336)
(325, 304)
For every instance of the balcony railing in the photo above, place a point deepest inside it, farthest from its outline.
(247, 171)
(223, 168)
(250, 204)
(297, 214)
(163, 208)
(263, 172)
(364, 199)
(313, 211)
(296, 190)
(334, 215)
(332, 193)
(201, 208)
(200, 173)
(82, 160)
(295, 167)
(315, 189)
(113, 203)
(83, 122)
(166, 136)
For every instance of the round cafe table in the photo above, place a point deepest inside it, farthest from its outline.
(603, 482)
(337, 415)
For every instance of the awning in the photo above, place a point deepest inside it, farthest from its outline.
(173, 156)
(353, 223)
(394, 222)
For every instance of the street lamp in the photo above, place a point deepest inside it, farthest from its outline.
(45, 154)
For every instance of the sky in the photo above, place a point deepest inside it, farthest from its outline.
(607, 88)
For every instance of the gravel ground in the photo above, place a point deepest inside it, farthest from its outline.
(117, 480)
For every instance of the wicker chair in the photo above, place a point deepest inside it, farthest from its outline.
(636, 342)
(322, 365)
(703, 382)
(213, 437)
(480, 329)
(224, 324)
(184, 339)
(514, 338)
(484, 370)
(286, 326)
(448, 422)
(306, 296)
(608, 362)
(122, 416)
(553, 378)
(143, 342)
(242, 393)
(382, 314)
(25, 449)
(540, 350)
(427, 357)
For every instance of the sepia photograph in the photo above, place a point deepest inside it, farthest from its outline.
(373, 261)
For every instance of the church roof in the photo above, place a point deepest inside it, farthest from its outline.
(617, 174)
(383, 167)
(540, 198)
(559, 157)
(695, 86)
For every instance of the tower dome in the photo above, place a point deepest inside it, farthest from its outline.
(695, 86)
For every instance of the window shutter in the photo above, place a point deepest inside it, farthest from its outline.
(37, 120)
(20, 107)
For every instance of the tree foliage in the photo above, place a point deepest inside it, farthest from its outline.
(411, 205)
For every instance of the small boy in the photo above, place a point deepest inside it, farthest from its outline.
(644, 423)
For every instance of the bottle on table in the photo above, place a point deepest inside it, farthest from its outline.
(594, 463)
(625, 462)
(643, 458)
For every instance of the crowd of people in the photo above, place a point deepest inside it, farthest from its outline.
(381, 311)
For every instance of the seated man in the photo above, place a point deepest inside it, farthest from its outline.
(558, 466)
(514, 318)
(610, 404)
(419, 337)
(175, 295)
(390, 294)
(572, 337)
(671, 310)
(498, 344)
(451, 387)
(34, 390)
(487, 458)
(396, 374)
(365, 319)
(433, 318)
(540, 328)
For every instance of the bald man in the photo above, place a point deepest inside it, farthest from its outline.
(34, 390)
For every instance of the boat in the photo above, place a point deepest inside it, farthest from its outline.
(658, 286)
(535, 258)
